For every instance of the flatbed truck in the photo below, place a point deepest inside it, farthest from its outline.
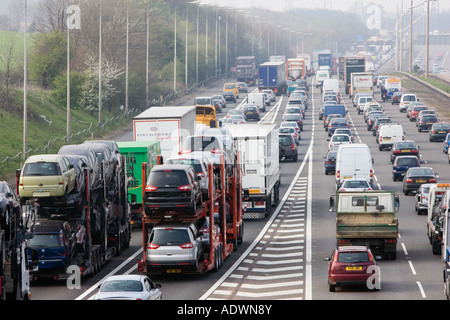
(367, 218)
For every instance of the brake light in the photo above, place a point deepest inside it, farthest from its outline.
(150, 188)
(408, 180)
(371, 173)
(187, 246)
(185, 188)
(338, 174)
(216, 151)
(397, 151)
(152, 246)
(432, 180)
(293, 146)
(433, 132)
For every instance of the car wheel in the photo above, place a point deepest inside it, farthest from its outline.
(332, 287)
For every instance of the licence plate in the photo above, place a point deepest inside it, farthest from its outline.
(429, 122)
(406, 150)
(421, 181)
(442, 131)
(249, 112)
(387, 139)
(353, 268)
(173, 270)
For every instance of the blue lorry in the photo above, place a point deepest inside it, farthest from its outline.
(272, 75)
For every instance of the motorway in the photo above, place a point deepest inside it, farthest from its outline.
(281, 257)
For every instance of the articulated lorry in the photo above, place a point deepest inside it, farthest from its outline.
(16, 259)
(438, 201)
(246, 70)
(272, 75)
(367, 218)
(82, 239)
(218, 221)
(257, 145)
(169, 125)
(352, 65)
(136, 153)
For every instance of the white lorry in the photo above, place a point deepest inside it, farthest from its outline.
(258, 155)
(362, 83)
(353, 161)
(169, 125)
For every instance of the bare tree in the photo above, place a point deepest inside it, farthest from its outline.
(51, 15)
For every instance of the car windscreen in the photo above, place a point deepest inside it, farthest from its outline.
(353, 257)
(41, 169)
(285, 140)
(169, 237)
(122, 285)
(193, 162)
(168, 178)
(201, 143)
(407, 162)
(45, 241)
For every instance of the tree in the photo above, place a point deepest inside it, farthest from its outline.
(48, 58)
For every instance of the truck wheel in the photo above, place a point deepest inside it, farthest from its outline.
(436, 246)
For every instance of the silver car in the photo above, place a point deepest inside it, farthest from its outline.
(174, 247)
(422, 194)
(128, 287)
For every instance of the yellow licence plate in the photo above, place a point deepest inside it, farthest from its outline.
(406, 150)
(173, 270)
(421, 181)
(442, 131)
(353, 268)
(429, 122)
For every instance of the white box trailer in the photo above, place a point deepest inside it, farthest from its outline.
(169, 125)
(258, 155)
(361, 82)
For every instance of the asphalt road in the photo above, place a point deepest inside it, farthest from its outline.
(281, 257)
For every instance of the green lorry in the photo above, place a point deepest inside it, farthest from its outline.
(367, 218)
(136, 153)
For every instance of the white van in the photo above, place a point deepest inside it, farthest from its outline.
(390, 134)
(331, 85)
(321, 75)
(353, 161)
(406, 100)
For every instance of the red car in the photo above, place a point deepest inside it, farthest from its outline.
(352, 265)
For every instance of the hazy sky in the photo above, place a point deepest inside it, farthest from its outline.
(344, 5)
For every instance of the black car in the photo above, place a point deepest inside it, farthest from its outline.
(378, 122)
(330, 161)
(229, 96)
(404, 148)
(396, 96)
(417, 176)
(86, 150)
(439, 131)
(172, 187)
(79, 164)
(402, 164)
(371, 119)
(288, 148)
(294, 118)
(327, 120)
(426, 122)
(106, 161)
(9, 204)
(337, 123)
(251, 112)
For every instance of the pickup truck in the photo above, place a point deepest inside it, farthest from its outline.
(369, 218)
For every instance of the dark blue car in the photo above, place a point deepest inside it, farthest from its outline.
(402, 164)
(55, 243)
(446, 143)
(337, 123)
